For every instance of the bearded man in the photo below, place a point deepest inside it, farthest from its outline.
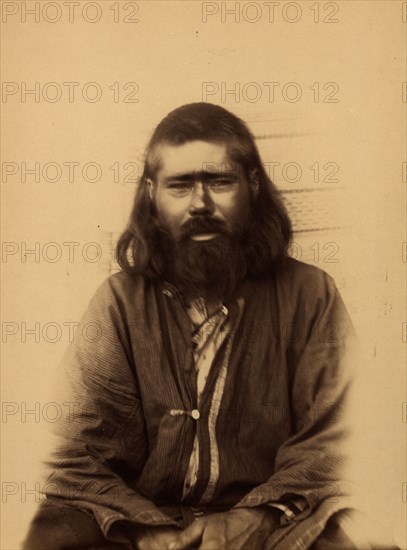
(210, 409)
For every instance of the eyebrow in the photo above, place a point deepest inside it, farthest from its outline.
(202, 175)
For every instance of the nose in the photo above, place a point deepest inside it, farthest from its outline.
(201, 202)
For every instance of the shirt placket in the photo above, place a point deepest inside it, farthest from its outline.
(207, 340)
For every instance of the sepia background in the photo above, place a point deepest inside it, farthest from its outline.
(322, 87)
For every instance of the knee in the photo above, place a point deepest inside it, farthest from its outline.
(57, 527)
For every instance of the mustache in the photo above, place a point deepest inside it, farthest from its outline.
(202, 224)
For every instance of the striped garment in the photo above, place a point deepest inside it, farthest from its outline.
(149, 438)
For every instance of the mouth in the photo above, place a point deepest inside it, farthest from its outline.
(204, 236)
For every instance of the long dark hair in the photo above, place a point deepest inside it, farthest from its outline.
(270, 231)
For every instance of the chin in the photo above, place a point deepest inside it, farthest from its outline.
(215, 264)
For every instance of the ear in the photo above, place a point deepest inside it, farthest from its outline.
(150, 186)
(254, 182)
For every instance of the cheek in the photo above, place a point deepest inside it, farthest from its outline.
(234, 207)
(170, 212)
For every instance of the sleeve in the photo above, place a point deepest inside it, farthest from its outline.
(102, 437)
(310, 465)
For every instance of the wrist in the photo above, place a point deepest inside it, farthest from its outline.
(263, 515)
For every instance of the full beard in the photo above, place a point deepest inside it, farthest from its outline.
(211, 268)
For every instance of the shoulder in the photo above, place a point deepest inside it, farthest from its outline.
(123, 289)
(297, 277)
(299, 291)
(295, 290)
(122, 283)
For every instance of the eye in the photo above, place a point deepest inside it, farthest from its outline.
(179, 187)
(220, 184)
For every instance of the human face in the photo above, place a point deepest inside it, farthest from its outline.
(186, 189)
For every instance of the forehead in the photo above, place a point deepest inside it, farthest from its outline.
(192, 157)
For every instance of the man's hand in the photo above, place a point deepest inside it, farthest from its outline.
(238, 529)
(155, 538)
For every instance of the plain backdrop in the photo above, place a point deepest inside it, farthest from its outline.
(333, 130)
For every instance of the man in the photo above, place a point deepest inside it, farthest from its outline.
(210, 400)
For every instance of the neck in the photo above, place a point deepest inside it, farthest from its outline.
(209, 303)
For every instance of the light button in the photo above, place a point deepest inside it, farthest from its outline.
(195, 414)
